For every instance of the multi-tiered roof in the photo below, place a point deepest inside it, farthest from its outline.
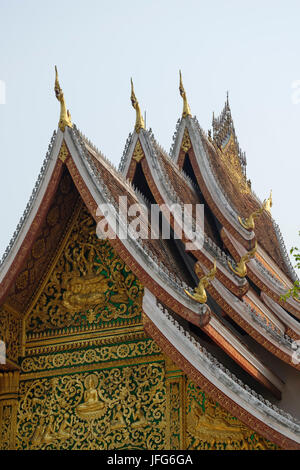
(237, 338)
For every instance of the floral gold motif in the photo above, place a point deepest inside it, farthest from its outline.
(89, 284)
(138, 153)
(186, 141)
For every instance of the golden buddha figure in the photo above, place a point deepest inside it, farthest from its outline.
(117, 421)
(91, 408)
(85, 291)
(210, 423)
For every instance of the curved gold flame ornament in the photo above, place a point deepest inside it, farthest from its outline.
(268, 203)
(249, 223)
(65, 116)
(200, 292)
(186, 109)
(241, 268)
(139, 123)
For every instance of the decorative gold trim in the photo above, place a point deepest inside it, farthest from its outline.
(186, 109)
(63, 153)
(138, 153)
(186, 141)
(199, 292)
(65, 116)
(62, 246)
(241, 268)
(249, 222)
(139, 123)
(92, 367)
(268, 203)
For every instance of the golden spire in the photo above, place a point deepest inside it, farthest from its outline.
(139, 123)
(268, 203)
(186, 109)
(248, 223)
(65, 116)
(241, 268)
(199, 292)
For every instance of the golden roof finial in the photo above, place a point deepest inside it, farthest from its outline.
(65, 116)
(199, 292)
(268, 203)
(186, 109)
(241, 268)
(139, 123)
(248, 223)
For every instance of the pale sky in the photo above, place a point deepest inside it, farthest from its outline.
(251, 48)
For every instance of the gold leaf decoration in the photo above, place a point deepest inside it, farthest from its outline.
(90, 284)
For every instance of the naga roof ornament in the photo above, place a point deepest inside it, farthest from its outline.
(241, 268)
(200, 292)
(249, 222)
(139, 123)
(65, 116)
(268, 203)
(186, 109)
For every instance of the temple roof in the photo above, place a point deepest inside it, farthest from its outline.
(201, 170)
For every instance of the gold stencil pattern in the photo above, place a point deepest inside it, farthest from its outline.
(92, 355)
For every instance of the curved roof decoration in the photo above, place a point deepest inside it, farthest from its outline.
(225, 206)
(212, 376)
(257, 313)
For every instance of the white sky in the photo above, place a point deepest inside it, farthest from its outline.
(251, 48)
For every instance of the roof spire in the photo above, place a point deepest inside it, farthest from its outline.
(139, 123)
(227, 98)
(65, 116)
(186, 109)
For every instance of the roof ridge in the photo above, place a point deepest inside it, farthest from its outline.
(220, 366)
(32, 198)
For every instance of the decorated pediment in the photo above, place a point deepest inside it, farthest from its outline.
(89, 286)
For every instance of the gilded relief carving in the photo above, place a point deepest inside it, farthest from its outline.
(138, 153)
(186, 141)
(11, 332)
(229, 155)
(210, 427)
(107, 409)
(96, 355)
(45, 246)
(89, 285)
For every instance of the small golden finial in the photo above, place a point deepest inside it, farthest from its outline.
(249, 222)
(139, 123)
(65, 116)
(268, 203)
(199, 292)
(241, 268)
(186, 109)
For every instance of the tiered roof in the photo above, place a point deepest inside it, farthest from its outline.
(241, 317)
